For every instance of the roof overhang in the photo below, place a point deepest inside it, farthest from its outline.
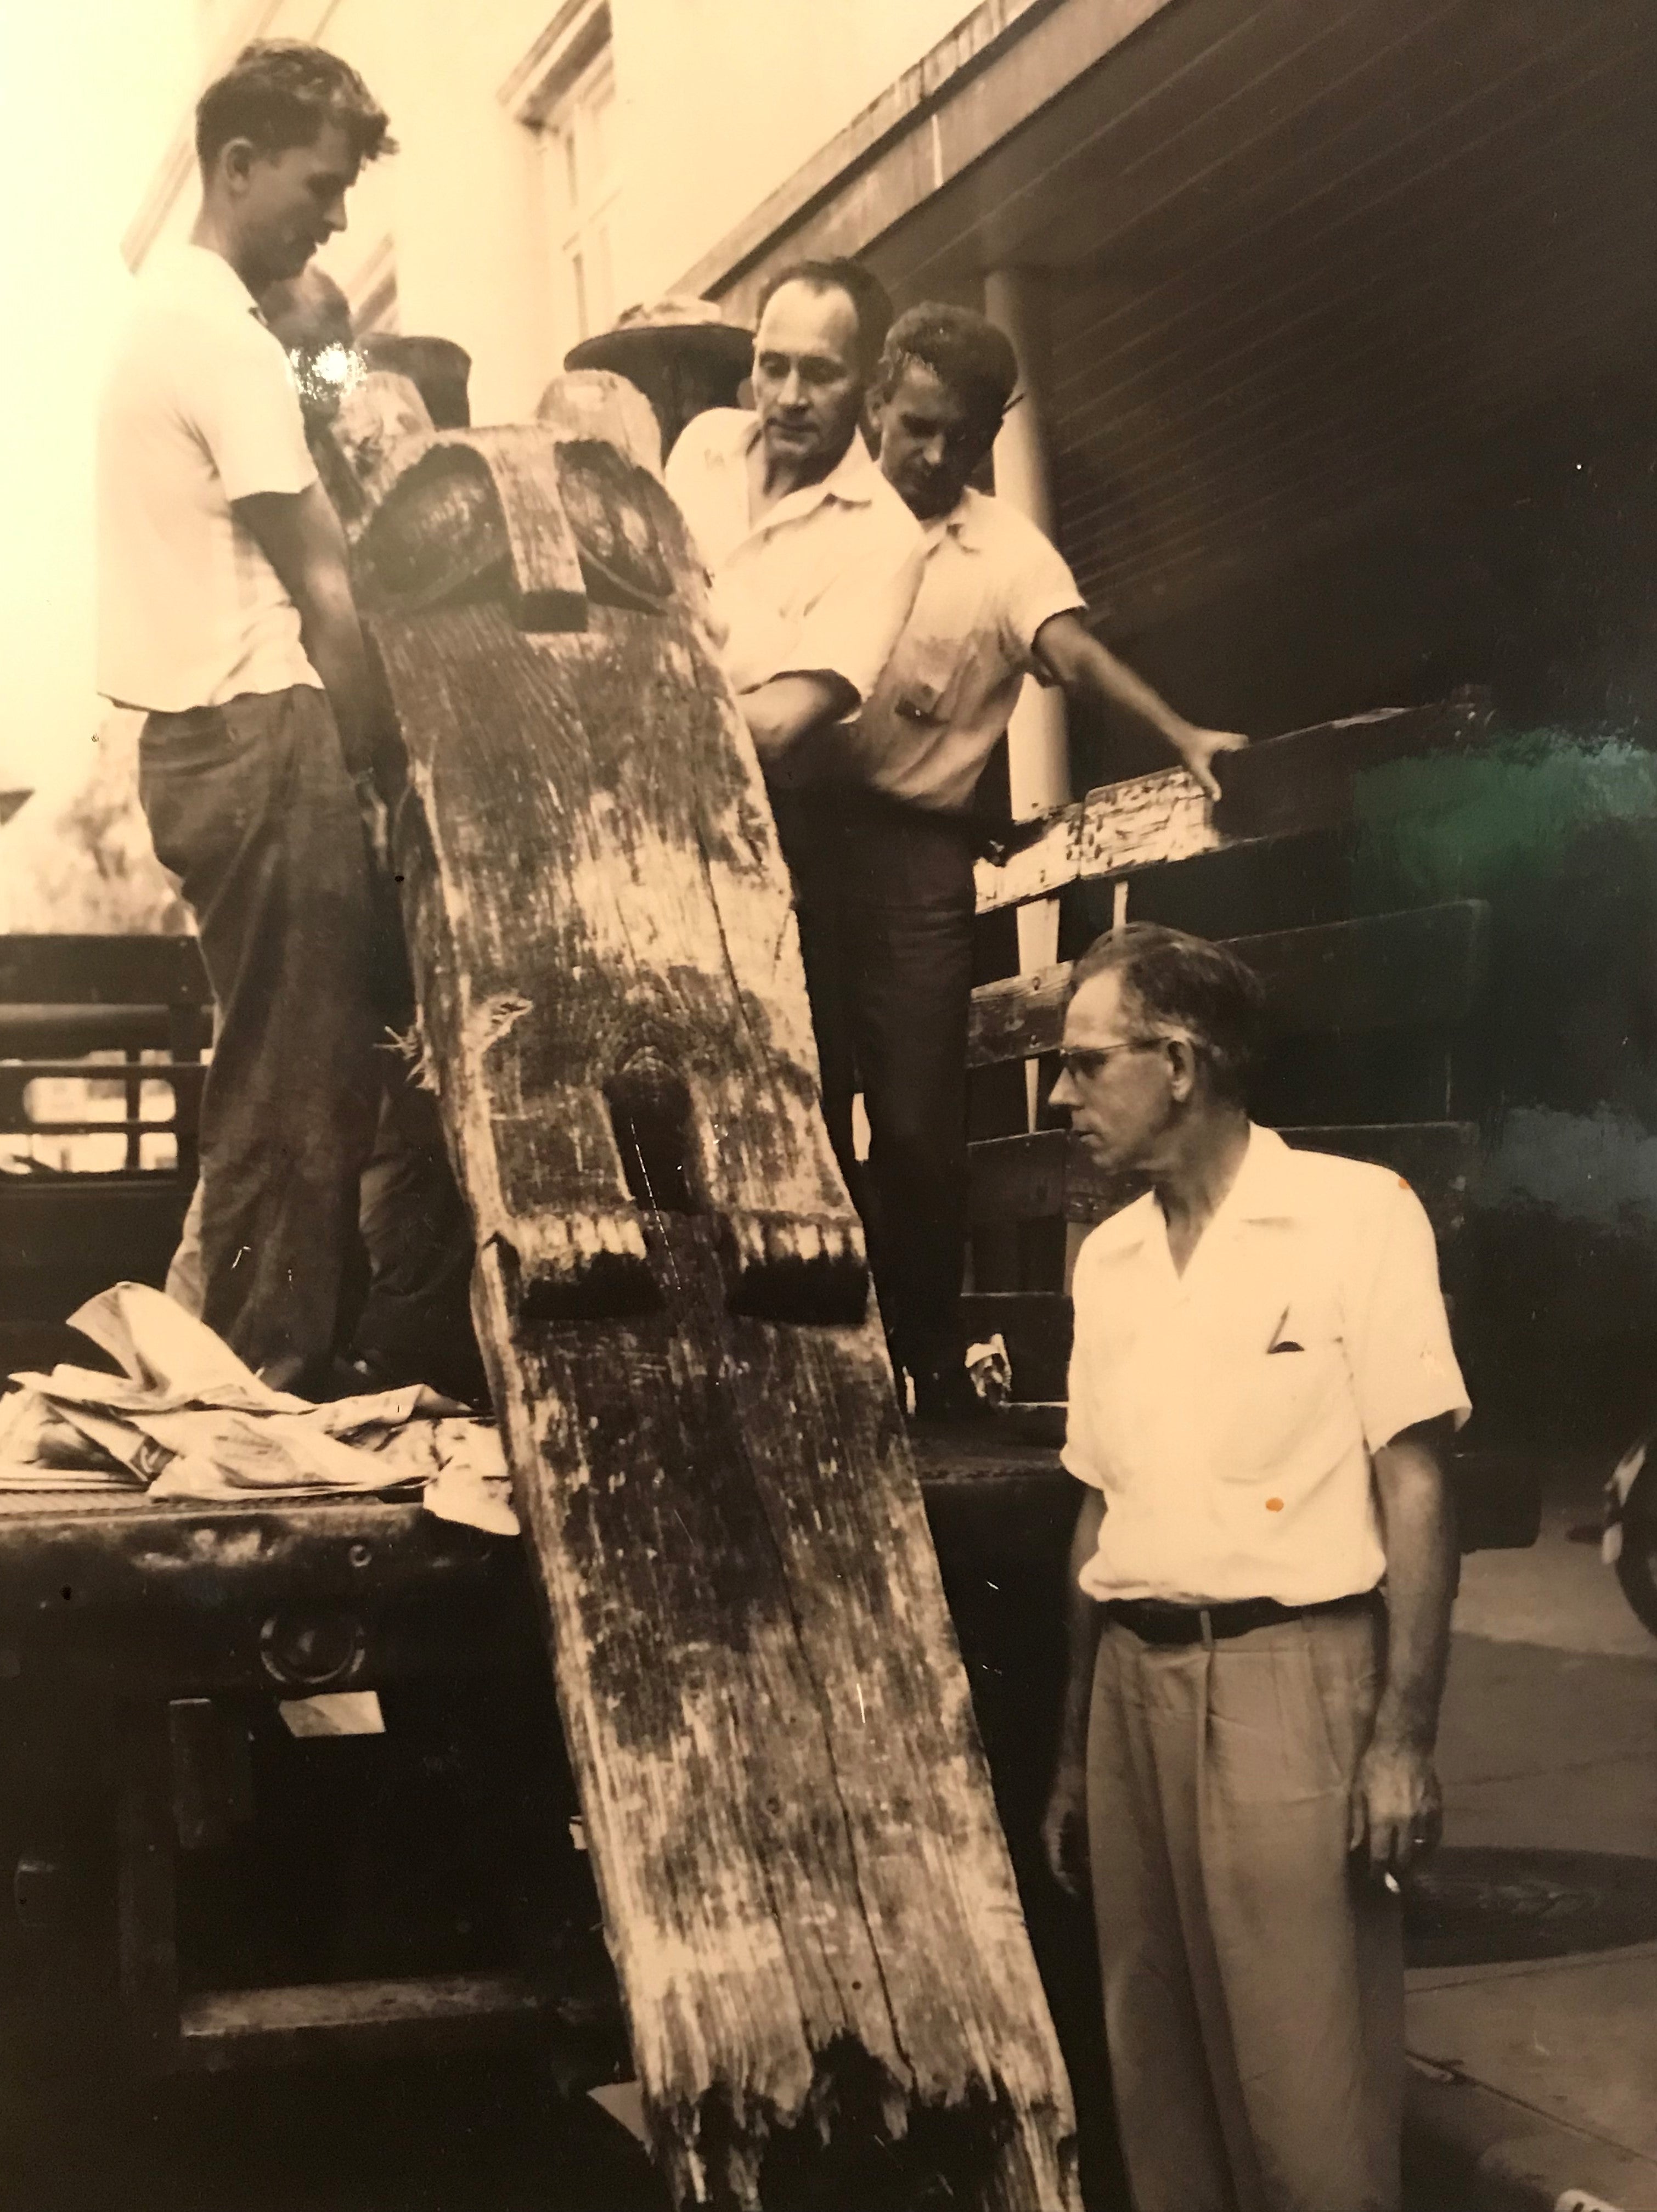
(1304, 264)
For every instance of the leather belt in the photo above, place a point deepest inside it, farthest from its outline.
(1153, 1622)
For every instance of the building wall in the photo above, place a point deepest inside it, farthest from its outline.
(720, 102)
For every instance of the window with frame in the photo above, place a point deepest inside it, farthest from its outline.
(581, 185)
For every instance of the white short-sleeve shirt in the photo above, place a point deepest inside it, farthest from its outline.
(991, 579)
(821, 583)
(1230, 1414)
(199, 409)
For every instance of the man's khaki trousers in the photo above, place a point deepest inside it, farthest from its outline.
(1254, 1980)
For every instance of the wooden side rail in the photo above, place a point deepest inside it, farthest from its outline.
(62, 997)
(1371, 1046)
(101, 971)
(1049, 1176)
(1285, 787)
(1423, 968)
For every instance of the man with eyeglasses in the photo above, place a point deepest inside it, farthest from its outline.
(1262, 1390)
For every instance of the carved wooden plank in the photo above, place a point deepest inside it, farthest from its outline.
(468, 515)
(1284, 786)
(1421, 968)
(814, 1923)
(1051, 1173)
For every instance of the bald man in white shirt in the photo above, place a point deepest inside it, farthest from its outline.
(1261, 1394)
(813, 559)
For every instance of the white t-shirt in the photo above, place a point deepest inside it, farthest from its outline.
(991, 579)
(199, 409)
(1230, 1414)
(823, 582)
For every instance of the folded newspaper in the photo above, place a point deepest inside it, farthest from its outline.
(185, 1419)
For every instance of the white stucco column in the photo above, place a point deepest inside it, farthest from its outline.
(1038, 745)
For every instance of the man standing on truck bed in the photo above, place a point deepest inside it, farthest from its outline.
(813, 558)
(226, 615)
(888, 920)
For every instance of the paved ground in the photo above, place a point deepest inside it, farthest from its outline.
(1549, 1741)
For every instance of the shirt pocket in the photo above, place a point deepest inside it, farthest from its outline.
(947, 632)
(1285, 1385)
(928, 676)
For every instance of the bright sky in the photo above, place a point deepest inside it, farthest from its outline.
(90, 93)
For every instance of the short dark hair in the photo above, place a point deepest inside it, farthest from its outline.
(869, 299)
(280, 92)
(1180, 983)
(965, 351)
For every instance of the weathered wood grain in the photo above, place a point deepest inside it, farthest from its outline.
(1281, 787)
(470, 515)
(1418, 969)
(376, 420)
(596, 402)
(828, 1985)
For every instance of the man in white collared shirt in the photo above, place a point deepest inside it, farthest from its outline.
(895, 951)
(813, 562)
(226, 615)
(813, 559)
(1262, 1387)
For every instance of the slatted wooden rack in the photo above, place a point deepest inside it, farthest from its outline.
(1345, 996)
(67, 1006)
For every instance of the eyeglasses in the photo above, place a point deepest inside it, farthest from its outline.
(1088, 1059)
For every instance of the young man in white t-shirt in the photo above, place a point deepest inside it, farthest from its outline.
(226, 615)
(887, 914)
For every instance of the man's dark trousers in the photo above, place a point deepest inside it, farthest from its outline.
(251, 806)
(885, 900)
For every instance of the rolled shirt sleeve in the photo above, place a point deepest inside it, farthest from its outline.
(238, 395)
(1403, 1365)
(1040, 587)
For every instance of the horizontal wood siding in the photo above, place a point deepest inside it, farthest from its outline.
(1050, 1172)
(1345, 978)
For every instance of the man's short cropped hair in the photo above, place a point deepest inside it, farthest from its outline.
(869, 297)
(965, 351)
(280, 92)
(1176, 985)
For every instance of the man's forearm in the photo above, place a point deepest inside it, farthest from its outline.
(1081, 1633)
(1419, 1532)
(300, 537)
(1114, 684)
(1092, 674)
(333, 643)
(785, 714)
